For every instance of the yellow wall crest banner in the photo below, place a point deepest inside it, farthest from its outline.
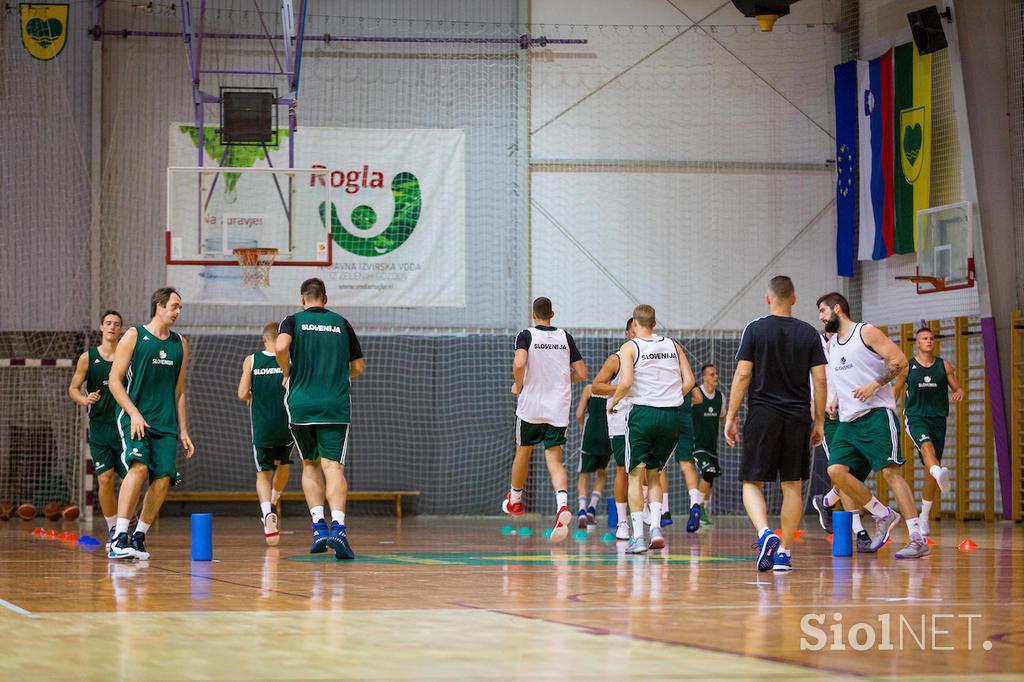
(44, 29)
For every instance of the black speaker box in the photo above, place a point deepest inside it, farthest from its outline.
(926, 25)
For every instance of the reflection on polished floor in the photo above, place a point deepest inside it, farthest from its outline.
(440, 598)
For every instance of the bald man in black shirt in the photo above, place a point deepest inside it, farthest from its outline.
(776, 354)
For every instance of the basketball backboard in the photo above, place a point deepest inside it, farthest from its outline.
(945, 254)
(211, 211)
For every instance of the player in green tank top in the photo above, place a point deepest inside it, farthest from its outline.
(262, 388)
(93, 371)
(928, 379)
(595, 453)
(147, 380)
(319, 353)
(707, 425)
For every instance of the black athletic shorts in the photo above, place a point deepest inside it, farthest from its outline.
(776, 447)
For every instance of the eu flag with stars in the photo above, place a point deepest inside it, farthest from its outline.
(846, 166)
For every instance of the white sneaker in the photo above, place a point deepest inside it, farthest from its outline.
(657, 539)
(622, 531)
(270, 529)
(944, 479)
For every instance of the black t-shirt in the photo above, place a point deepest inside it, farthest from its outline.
(783, 350)
(355, 351)
(523, 342)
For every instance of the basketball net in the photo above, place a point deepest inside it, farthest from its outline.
(255, 264)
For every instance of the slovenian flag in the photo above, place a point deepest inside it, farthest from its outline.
(875, 128)
(846, 166)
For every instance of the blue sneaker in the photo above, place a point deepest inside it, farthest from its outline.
(782, 563)
(581, 518)
(693, 523)
(338, 541)
(320, 538)
(666, 519)
(768, 543)
(591, 516)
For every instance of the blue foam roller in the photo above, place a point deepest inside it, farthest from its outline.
(842, 533)
(202, 537)
(613, 513)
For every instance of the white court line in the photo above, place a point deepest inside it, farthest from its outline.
(17, 609)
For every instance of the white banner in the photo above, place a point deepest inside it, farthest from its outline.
(397, 220)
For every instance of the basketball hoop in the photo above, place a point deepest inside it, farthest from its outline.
(255, 264)
(936, 283)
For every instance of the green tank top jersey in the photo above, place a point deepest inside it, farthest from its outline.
(105, 409)
(597, 415)
(706, 423)
(318, 382)
(927, 389)
(151, 381)
(266, 411)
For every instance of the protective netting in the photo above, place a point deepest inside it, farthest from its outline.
(671, 159)
(432, 413)
(40, 437)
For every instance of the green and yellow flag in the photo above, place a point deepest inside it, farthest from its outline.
(912, 108)
(44, 29)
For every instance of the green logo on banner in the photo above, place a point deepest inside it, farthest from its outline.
(44, 29)
(405, 189)
(912, 123)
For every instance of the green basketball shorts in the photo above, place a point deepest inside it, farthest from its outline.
(872, 440)
(927, 430)
(105, 448)
(314, 441)
(652, 433)
(528, 434)
(269, 458)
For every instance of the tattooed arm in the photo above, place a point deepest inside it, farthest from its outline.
(895, 361)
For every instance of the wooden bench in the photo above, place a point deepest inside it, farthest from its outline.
(290, 496)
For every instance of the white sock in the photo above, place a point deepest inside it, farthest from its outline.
(831, 498)
(664, 501)
(516, 494)
(562, 498)
(914, 526)
(121, 526)
(622, 511)
(265, 508)
(696, 497)
(761, 532)
(935, 470)
(876, 508)
(317, 513)
(595, 499)
(926, 509)
(583, 503)
(111, 521)
(638, 525)
(275, 495)
(858, 524)
(655, 516)
(141, 527)
(338, 516)
(782, 550)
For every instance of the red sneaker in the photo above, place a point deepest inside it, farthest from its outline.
(512, 508)
(561, 528)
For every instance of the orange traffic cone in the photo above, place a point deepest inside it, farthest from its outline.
(967, 545)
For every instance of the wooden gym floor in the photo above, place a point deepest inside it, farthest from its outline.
(456, 599)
